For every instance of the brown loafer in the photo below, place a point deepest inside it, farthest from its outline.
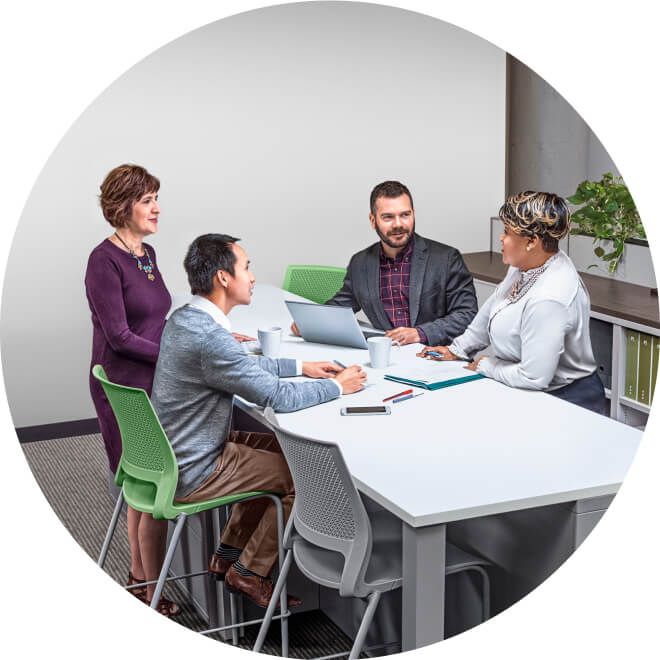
(258, 589)
(219, 566)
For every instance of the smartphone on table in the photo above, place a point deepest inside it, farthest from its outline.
(361, 411)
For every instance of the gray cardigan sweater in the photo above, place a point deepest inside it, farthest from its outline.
(200, 367)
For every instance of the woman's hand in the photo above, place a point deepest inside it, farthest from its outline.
(320, 369)
(473, 365)
(443, 350)
(294, 329)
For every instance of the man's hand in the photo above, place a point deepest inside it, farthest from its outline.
(352, 379)
(473, 366)
(403, 336)
(294, 329)
(443, 350)
(320, 369)
(241, 338)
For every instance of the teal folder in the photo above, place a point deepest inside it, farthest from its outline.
(437, 385)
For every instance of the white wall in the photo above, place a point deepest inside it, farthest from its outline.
(273, 126)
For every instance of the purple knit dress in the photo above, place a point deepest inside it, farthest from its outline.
(128, 316)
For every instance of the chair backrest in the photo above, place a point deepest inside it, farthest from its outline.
(316, 283)
(147, 460)
(328, 510)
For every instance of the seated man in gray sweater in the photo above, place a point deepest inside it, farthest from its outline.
(200, 367)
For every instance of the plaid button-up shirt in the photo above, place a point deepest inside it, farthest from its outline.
(395, 288)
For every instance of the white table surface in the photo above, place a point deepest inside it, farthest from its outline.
(464, 451)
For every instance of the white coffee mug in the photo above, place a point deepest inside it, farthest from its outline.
(269, 339)
(379, 351)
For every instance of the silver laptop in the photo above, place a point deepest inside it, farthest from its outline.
(327, 324)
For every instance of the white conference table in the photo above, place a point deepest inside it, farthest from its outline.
(467, 451)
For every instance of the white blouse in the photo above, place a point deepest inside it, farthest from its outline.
(541, 341)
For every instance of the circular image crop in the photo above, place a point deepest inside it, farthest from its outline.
(361, 330)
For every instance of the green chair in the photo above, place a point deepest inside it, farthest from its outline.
(317, 283)
(148, 475)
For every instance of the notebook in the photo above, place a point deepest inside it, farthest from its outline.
(433, 374)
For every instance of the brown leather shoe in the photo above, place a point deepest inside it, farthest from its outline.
(257, 589)
(219, 566)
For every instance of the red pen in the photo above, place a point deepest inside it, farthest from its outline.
(394, 396)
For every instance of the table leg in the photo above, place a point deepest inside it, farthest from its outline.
(423, 589)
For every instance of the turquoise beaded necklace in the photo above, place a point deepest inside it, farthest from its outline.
(149, 268)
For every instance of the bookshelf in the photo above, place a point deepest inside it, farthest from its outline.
(616, 309)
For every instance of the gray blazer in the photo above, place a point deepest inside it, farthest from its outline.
(442, 298)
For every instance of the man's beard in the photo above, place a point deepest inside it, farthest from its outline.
(388, 241)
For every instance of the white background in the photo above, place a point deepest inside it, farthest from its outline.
(272, 126)
(57, 57)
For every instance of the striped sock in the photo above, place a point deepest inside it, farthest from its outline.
(245, 572)
(228, 552)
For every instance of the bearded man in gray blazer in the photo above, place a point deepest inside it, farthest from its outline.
(417, 289)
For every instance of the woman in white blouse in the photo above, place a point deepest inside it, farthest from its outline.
(537, 320)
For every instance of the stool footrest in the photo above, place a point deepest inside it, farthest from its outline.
(243, 623)
(169, 579)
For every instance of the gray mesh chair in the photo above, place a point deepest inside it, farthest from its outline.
(333, 540)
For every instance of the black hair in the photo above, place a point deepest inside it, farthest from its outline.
(207, 255)
(391, 190)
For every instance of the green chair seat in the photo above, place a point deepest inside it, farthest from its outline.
(316, 283)
(140, 496)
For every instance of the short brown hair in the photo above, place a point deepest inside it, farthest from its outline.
(122, 187)
(541, 214)
(390, 190)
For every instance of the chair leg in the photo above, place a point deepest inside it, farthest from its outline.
(111, 529)
(284, 599)
(181, 521)
(364, 625)
(232, 615)
(485, 592)
(270, 610)
(210, 583)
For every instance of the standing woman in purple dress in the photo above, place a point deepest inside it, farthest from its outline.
(129, 302)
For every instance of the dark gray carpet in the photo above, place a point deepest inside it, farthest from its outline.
(75, 470)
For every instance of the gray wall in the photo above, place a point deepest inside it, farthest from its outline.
(551, 148)
(273, 126)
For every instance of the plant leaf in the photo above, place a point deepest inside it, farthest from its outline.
(599, 252)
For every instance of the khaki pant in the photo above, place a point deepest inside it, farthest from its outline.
(250, 461)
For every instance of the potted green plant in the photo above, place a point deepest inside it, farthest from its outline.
(609, 215)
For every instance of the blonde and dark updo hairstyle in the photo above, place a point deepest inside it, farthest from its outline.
(541, 214)
(122, 187)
